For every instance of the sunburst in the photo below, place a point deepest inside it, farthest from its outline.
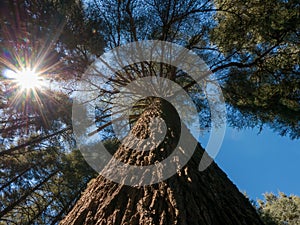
(26, 79)
(29, 61)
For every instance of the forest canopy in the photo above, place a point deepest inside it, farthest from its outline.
(251, 47)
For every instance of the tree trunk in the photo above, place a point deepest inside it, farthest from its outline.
(189, 197)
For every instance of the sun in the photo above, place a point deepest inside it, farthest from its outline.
(26, 79)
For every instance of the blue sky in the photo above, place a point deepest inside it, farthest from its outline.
(259, 163)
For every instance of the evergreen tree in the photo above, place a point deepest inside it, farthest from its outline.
(280, 209)
(213, 32)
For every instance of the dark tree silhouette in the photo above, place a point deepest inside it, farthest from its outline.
(40, 178)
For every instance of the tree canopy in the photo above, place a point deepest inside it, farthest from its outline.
(251, 47)
(261, 41)
(280, 209)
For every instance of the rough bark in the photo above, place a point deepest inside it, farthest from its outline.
(190, 197)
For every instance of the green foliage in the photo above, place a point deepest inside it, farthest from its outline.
(281, 209)
(40, 187)
(261, 42)
(245, 25)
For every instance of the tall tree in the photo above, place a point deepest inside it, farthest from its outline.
(188, 197)
(218, 33)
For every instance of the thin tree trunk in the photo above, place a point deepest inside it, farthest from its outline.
(189, 197)
(15, 178)
(33, 141)
(27, 193)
